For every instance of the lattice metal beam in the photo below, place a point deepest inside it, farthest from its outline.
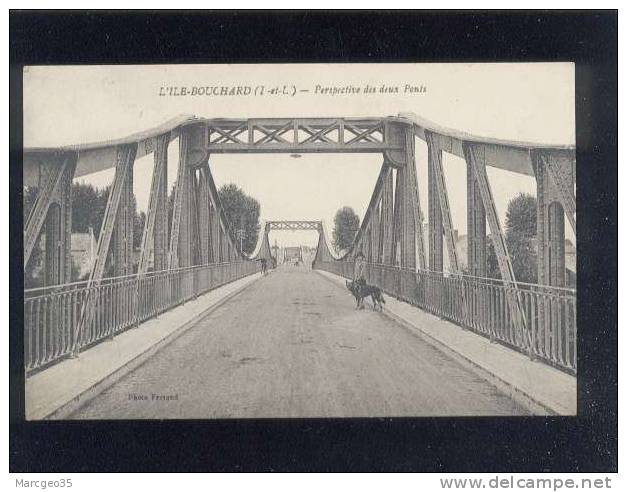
(560, 170)
(286, 135)
(293, 225)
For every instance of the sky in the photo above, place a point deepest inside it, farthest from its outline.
(527, 101)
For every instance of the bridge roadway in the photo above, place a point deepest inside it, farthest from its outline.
(293, 345)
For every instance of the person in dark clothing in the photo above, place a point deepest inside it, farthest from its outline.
(359, 275)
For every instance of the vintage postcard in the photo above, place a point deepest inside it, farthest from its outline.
(299, 240)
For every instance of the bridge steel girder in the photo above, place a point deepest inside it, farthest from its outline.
(215, 232)
(476, 224)
(397, 221)
(183, 250)
(366, 243)
(555, 176)
(477, 163)
(436, 229)
(124, 160)
(122, 252)
(324, 251)
(293, 225)
(154, 235)
(476, 159)
(195, 217)
(387, 218)
(375, 234)
(404, 160)
(312, 135)
(179, 215)
(52, 212)
(125, 157)
(204, 221)
(561, 168)
(298, 135)
(221, 231)
(438, 179)
(407, 223)
(265, 251)
(360, 237)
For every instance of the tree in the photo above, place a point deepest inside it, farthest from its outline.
(88, 206)
(139, 221)
(345, 227)
(520, 233)
(242, 212)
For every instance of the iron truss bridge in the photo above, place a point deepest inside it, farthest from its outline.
(196, 250)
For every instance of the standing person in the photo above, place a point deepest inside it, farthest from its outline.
(359, 274)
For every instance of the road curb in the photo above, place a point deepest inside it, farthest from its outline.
(518, 395)
(87, 395)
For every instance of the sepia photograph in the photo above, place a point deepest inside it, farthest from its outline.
(218, 241)
(333, 242)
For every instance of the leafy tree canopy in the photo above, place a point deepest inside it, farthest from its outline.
(242, 212)
(345, 227)
(520, 234)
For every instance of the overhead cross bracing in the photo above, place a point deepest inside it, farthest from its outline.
(278, 135)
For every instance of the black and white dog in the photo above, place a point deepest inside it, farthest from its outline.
(362, 290)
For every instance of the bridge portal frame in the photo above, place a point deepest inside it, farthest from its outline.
(390, 233)
(382, 234)
(264, 250)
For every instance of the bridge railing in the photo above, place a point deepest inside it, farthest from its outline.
(64, 319)
(544, 324)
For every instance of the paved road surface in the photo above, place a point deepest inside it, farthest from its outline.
(293, 345)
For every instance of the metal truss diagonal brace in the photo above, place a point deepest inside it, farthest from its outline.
(37, 217)
(180, 193)
(414, 196)
(476, 159)
(563, 187)
(435, 160)
(374, 200)
(125, 156)
(477, 163)
(387, 219)
(222, 226)
(154, 201)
